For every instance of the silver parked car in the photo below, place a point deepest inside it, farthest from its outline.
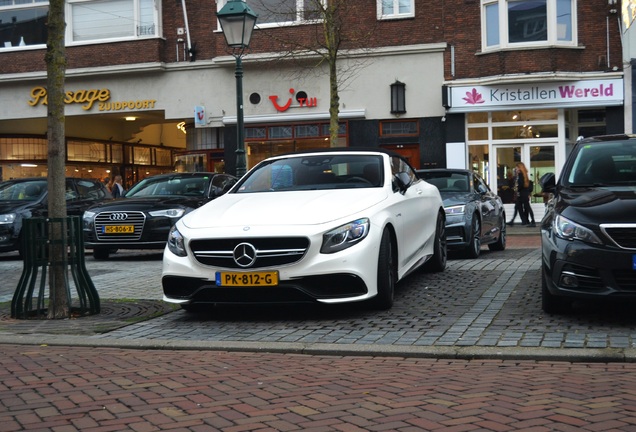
(475, 215)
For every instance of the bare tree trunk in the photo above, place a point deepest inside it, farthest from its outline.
(56, 69)
(334, 104)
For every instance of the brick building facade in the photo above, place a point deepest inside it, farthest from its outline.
(176, 64)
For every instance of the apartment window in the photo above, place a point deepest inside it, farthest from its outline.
(96, 20)
(391, 9)
(276, 12)
(528, 23)
(23, 23)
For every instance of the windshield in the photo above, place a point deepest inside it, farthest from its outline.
(447, 181)
(173, 185)
(316, 172)
(603, 164)
(22, 191)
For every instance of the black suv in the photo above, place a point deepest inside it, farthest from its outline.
(27, 197)
(588, 233)
(143, 217)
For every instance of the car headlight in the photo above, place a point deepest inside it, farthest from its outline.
(171, 213)
(7, 218)
(569, 230)
(88, 219)
(344, 236)
(455, 210)
(176, 242)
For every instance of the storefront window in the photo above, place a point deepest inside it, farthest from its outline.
(477, 117)
(287, 138)
(141, 156)
(26, 156)
(524, 116)
(478, 157)
(21, 148)
(307, 131)
(478, 133)
(513, 125)
(278, 132)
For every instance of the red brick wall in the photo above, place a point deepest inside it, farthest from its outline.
(456, 22)
(464, 33)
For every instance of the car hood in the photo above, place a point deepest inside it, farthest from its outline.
(148, 203)
(597, 205)
(284, 208)
(456, 198)
(16, 206)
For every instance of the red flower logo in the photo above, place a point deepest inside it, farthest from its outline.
(472, 97)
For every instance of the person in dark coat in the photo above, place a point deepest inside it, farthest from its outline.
(117, 189)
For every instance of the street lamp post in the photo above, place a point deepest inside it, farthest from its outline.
(237, 23)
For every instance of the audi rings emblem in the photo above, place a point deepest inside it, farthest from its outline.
(118, 216)
(244, 255)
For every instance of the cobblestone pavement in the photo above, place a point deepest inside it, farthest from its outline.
(475, 307)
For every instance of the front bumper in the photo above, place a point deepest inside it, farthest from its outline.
(578, 269)
(456, 232)
(312, 289)
(9, 241)
(346, 276)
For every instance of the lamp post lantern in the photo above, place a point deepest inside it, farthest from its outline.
(237, 23)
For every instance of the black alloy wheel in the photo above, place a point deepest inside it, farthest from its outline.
(387, 274)
(437, 262)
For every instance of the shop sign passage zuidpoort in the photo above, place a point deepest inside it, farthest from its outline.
(87, 99)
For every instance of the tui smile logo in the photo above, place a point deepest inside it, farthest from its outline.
(303, 101)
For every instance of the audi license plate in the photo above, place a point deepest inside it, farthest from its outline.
(118, 229)
(247, 279)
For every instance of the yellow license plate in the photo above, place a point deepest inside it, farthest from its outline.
(247, 278)
(119, 229)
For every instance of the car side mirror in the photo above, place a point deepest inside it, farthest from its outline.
(548, 182)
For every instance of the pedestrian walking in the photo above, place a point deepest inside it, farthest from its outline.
(524, 186)
(518, 185)
(116, 188)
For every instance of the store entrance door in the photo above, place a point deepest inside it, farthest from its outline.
(411, 152)
(506, 157)
(538, 159)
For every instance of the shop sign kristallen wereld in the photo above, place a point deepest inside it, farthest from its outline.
(541, 95)
(88, 99)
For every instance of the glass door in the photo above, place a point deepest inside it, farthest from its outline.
(541, 162)
(506, 157)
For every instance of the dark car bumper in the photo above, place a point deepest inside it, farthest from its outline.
(578, 269)
(303, 290)
(9, 241)
(456, 237)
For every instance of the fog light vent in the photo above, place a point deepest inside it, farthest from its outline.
(569, 280)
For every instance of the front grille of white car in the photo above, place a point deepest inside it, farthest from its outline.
(268, 252)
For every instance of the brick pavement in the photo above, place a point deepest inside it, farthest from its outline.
(45, 388)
